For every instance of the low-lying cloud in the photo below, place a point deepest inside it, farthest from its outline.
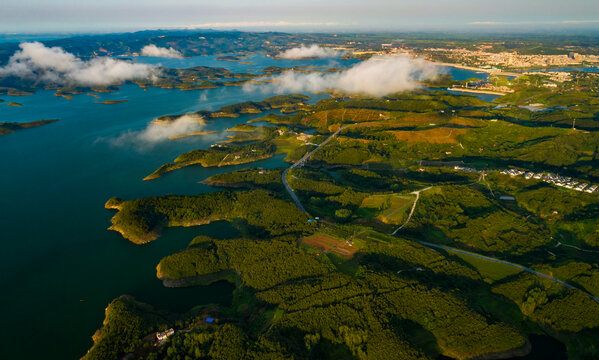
(308, 52)
(153, 50)
(377, 76)
(156, 132)
(53, 65)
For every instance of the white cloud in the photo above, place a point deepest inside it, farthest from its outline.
(54, 65)
(308, 52)
(377, 76)
(153, 50)
(156, 132)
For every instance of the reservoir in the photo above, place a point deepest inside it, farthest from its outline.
(60, 265)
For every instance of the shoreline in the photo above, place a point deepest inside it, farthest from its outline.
(193, 133)
(487, 71)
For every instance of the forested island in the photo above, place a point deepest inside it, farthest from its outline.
(10, 127)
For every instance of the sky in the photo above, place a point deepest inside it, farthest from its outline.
(31, 16)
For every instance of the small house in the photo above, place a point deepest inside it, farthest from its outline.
(161, 336)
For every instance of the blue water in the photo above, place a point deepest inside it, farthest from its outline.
(463, 74)
(54, 182)
(60, 265)
(484, 97)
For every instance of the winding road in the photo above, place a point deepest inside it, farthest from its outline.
(301, 162)
(523, 268)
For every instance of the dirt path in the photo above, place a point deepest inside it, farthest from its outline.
(417, 193)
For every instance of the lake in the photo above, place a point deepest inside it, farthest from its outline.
(60, 265)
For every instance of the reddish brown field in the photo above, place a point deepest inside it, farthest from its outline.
(343, 139)
(327, 243)
(440, 135)
(327, 117)
(411, 120)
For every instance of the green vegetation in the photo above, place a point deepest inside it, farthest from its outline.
(257, 211)
(219, 155)
(333, 284)
(248, 178)
(565, 310)
(491, 271)
(468, 217)
(127, 322)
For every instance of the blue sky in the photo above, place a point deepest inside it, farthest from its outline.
(306, 15)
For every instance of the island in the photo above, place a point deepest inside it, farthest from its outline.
(228, 58)
(110, 102)
(10, 127)
(217, 156)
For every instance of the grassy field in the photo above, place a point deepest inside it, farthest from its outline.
(393, 208)
(489, 270)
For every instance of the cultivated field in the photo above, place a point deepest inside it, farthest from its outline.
(328, 243)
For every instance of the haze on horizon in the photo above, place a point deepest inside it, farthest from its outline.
(31, 16)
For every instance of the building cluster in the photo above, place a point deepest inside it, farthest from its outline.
(486, 85)
(162, 336)
(511, 59)
(304, 137)
(563, 181)
(464, 168)
(557, 76)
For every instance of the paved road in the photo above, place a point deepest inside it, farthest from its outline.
(517, 266)
(508, 264)
(301, 162)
